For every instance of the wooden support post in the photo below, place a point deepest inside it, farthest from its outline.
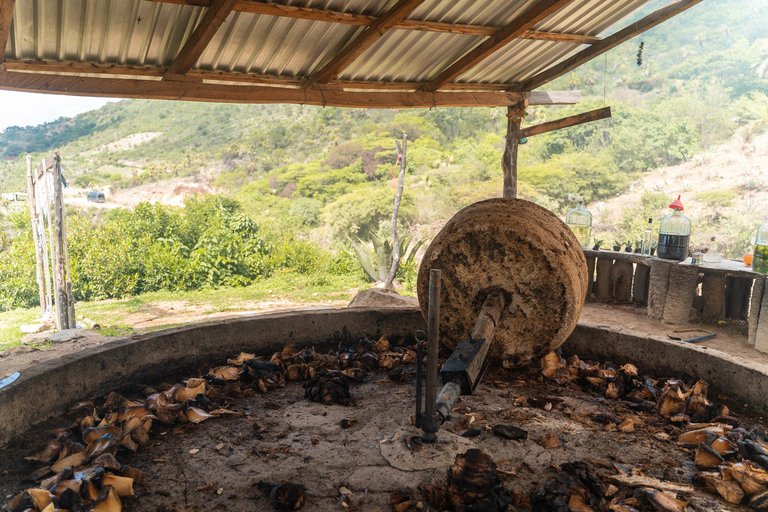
(737, 291)
(754, 309)
(70, 296)
(621, 281)
(33, 220)
(559, 124)
(658, 288)
(640, 283)
(680, 292)
(509, 160)
(713, 293)
(59, 262)
(49, 195)
(591, 276)
(603, 284)
(41, 199)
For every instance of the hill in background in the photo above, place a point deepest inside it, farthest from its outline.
(695, 106)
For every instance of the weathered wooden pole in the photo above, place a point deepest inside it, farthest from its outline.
(40, 197)
(35, 235)
(70, 296)
(49, 196)
(62, 303)
(398, 197)
(515, 115)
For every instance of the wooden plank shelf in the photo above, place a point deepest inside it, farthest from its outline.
(679, 292)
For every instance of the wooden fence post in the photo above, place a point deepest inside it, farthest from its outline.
(62, 302)
(40, 271)
(603, 282)
(49, 196)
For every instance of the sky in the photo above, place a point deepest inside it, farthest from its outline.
(30, 109)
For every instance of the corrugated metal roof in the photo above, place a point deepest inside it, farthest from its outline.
(151, 33)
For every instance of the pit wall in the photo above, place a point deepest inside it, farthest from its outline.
(49, 388)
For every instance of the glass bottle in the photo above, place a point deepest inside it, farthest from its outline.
(674, 234)
(580, 221)
(760, 250)
(648, 238)
(712, 256)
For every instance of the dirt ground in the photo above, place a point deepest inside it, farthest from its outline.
(731, 338)
(282, 437)
(166, 313)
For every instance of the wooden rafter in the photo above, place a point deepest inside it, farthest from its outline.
(86, 68)
(364, 20)
(533, 15)
(199, 91)
(6, 18)
(608, 43)
(565, 122)
(153, 73)
(213, 18)
(363, 41)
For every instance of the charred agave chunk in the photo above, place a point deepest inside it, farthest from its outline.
(328, 387)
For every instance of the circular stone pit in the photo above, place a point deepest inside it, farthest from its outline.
(353, 459)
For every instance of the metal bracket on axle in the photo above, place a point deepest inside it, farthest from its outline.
(467, 364)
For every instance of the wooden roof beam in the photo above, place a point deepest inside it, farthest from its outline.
(363, 41)
(364, 20)
(198, 91)
(670, 10)
(195, 45)
(565, 122)
(243, 79)
(6, 18)
(533, 15)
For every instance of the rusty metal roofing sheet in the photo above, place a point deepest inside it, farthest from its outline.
(150, 33)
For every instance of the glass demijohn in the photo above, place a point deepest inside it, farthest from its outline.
(760, 250)
(674, 234)
(580, 221)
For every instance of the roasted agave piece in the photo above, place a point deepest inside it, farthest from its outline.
(328, 387)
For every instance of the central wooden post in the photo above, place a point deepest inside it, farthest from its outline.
(515, 116)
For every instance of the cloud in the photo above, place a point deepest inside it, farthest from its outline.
(31, 109)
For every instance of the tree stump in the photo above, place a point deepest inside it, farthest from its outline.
(590, 277)
(713, 293)
(658, 288)
(603, 284)
(621, 281)
(640, 284)
(680, 292)
(737, 291)
(754, 308)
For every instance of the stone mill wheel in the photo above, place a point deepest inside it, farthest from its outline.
(524, 250)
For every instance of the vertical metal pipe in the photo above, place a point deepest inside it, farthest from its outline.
(419, 379)
(433, 345)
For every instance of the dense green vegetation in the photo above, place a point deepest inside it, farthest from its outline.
(209, 243)
(307, 179)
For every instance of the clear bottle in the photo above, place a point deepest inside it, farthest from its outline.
(648, 238)
(580, 221)
(674, 234)
(712, 256)
(760, 250)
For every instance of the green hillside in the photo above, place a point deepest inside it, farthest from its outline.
(325, 174)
